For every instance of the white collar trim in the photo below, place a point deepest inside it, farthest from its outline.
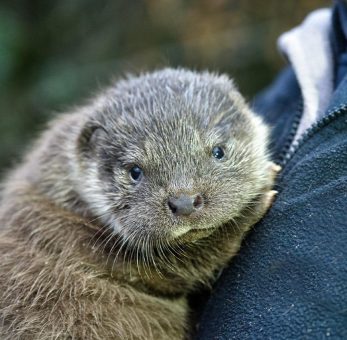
(309, 51)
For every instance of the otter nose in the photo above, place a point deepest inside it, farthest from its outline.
(184, 205)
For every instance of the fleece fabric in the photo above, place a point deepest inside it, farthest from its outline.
(289, 280)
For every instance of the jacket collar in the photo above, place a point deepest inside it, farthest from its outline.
(309, 51)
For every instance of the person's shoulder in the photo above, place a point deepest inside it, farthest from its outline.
(283, 91)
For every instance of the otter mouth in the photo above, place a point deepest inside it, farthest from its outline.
(193, 234)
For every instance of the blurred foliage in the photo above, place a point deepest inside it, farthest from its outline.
(54, 53)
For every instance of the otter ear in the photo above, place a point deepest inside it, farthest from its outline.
(237, 98)
(231, 111)
(89, 138)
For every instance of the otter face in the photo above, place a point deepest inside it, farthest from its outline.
(171, 153)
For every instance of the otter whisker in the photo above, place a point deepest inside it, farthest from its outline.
(153, 259)
(145, 248)
(162, 255)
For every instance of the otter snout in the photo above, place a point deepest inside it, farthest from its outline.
(185, 205)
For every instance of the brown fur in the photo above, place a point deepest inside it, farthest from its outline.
(64, 275)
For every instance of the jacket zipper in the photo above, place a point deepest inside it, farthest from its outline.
(329, 117)
(287, 145)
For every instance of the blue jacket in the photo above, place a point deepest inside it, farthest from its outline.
(289, 280)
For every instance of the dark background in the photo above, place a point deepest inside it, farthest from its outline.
(55, 53)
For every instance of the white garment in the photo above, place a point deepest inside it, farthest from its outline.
(310, 53)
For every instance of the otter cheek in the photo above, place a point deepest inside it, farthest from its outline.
(117, 226)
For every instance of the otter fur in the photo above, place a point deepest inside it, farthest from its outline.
(126, 205)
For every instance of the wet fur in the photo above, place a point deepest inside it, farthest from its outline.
(85, 253)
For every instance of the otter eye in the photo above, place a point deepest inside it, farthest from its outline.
(136, 173)
(218, 152)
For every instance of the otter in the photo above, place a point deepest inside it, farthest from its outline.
(127, 204)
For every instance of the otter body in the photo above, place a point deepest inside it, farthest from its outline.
(128, 204)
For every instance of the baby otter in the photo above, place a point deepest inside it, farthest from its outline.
(128, 204)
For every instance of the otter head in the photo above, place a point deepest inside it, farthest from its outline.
(171, 153)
